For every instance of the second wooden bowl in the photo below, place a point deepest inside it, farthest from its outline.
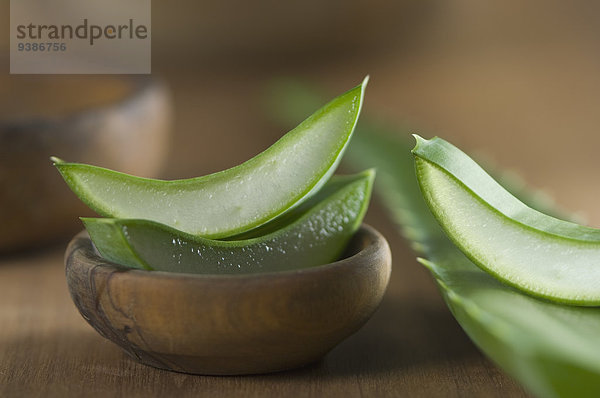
(230, 324)
(119, 122)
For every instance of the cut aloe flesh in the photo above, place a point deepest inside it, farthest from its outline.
(333, 185)
(539, 254)
(234, 200)
(317, 236)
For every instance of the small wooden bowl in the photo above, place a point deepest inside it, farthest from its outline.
(230, 324)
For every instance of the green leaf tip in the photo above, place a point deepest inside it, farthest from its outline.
(370, 173)
(419, 141)
(428, 264)
(361, 87)
(55, 160)
(365, 82)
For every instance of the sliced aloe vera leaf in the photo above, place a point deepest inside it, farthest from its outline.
(539, 254)
(316, 236)
(234, 200)
(552, 349)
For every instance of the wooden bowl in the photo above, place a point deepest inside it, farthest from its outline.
(230, 324)
(112, 121)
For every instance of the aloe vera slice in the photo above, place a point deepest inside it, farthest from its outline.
(234, 200)
(552, 349)
(537, 253)
(316, 236)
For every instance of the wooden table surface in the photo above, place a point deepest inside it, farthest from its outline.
(527, 100)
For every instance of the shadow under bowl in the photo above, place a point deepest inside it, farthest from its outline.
(230, 324)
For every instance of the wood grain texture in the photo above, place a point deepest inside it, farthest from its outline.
(230, 324)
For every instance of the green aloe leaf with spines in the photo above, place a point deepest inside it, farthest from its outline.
(552, 349)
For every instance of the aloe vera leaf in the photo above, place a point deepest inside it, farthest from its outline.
(553, 350)
(539, 254)
(317, 236)
(234, 200)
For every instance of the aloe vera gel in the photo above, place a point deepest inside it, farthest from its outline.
(317, 236)
(539, 254)
(234, 200)
(280, 210)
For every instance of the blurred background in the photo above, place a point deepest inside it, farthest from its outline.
(516, 82)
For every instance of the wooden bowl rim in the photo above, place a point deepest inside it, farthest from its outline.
(374, 246)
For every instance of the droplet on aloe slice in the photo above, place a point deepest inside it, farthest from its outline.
(315, 234)
(236, 200)
(534, 252)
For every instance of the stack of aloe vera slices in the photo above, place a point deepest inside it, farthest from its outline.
(280, 210)
(553, 349)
